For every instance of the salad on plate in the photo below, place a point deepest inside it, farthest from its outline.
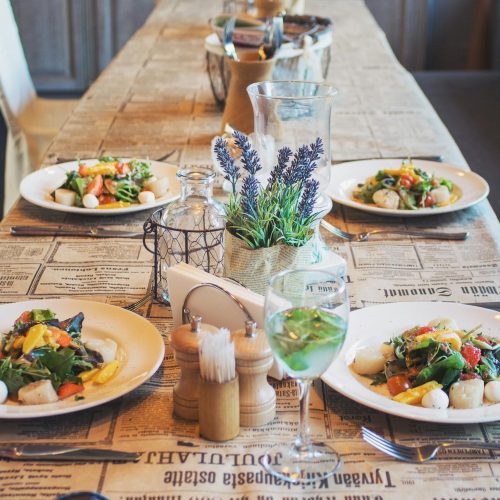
(406, 188)
(111, 183)
(44, 359)
(437, 366)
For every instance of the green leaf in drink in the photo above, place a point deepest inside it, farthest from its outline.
(306, 339)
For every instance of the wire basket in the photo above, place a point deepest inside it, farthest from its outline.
(289, 65)
(200, 248)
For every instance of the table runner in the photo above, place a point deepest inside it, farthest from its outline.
(154, 100)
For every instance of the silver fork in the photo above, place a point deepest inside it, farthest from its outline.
(139, 303)
(419, 454)
(364, 236)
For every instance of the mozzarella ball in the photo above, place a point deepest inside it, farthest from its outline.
(492, 391)
(106, 348)
(38, 393)
(386, 198)
(4, 392)
(467, 394)
(444, 323)
(146, 197)
(158, 187)
(441, 195)
(90, 201)
(368, 361)
(436, 398)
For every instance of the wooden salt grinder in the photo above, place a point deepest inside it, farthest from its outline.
(254, 358)
(185, 344)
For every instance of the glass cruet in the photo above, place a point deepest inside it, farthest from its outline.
(192, 228)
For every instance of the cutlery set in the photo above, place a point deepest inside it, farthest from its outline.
(65, 453)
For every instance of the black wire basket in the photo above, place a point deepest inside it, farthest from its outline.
(202, 248)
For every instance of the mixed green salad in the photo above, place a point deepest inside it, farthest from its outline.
(436, 365)
(43, 359)
(407, 188)
(110, 183)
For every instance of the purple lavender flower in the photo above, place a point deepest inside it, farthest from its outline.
(249, 157)
(304, 162)
(277, 172)
(226, 162)
(249, 193)
(308, 199)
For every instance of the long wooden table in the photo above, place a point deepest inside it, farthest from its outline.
(155, 100)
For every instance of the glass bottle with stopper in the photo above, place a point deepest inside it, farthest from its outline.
(254, 359)
(185, 340)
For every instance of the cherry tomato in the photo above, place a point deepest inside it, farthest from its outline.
(424, 329)
(398, 383)
(406, 181)
(429, 200)
(483, 339)
(24, 318)
(122, 168)
(471, 354)
(104, 199)
(95, 186)
(83, 170)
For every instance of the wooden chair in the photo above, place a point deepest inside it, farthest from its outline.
(32, 121)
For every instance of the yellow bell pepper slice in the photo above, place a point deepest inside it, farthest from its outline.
(18, 343)
(116, 204)
(105, 168)
(451, 338)
(414, 396)
(34, 338)
(106, 372)
(88, 375)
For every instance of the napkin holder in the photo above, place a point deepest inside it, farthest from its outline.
(216, 308)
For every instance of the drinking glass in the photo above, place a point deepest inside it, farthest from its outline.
(306, 317)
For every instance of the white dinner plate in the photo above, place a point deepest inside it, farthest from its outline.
(37, 186)
(140, 351)
(345, 177)
(376, 324)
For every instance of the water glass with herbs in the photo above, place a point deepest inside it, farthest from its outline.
(306, 318)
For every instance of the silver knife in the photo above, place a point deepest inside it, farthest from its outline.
(61, 231)
(66, 453)
(422, 157)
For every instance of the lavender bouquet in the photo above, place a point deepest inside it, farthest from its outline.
(282, 211)
(268, 228)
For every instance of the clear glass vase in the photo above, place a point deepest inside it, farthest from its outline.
(191, 229)
(294, 113)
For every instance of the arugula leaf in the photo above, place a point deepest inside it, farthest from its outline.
(13, 378)
(447, 183)
(59, 362)
(378, 378)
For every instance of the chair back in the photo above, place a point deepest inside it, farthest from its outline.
(16, 86)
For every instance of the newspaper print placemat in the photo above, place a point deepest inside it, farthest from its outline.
(155, 101)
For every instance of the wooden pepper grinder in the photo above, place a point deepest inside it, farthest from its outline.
(185, 344)
(254, 358)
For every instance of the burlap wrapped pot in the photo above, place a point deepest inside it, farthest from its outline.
(254, 268)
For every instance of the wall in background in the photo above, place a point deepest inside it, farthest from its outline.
(441, 34)
(68, 42)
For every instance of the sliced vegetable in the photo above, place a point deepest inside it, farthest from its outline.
(414, 396)
(69, 389)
